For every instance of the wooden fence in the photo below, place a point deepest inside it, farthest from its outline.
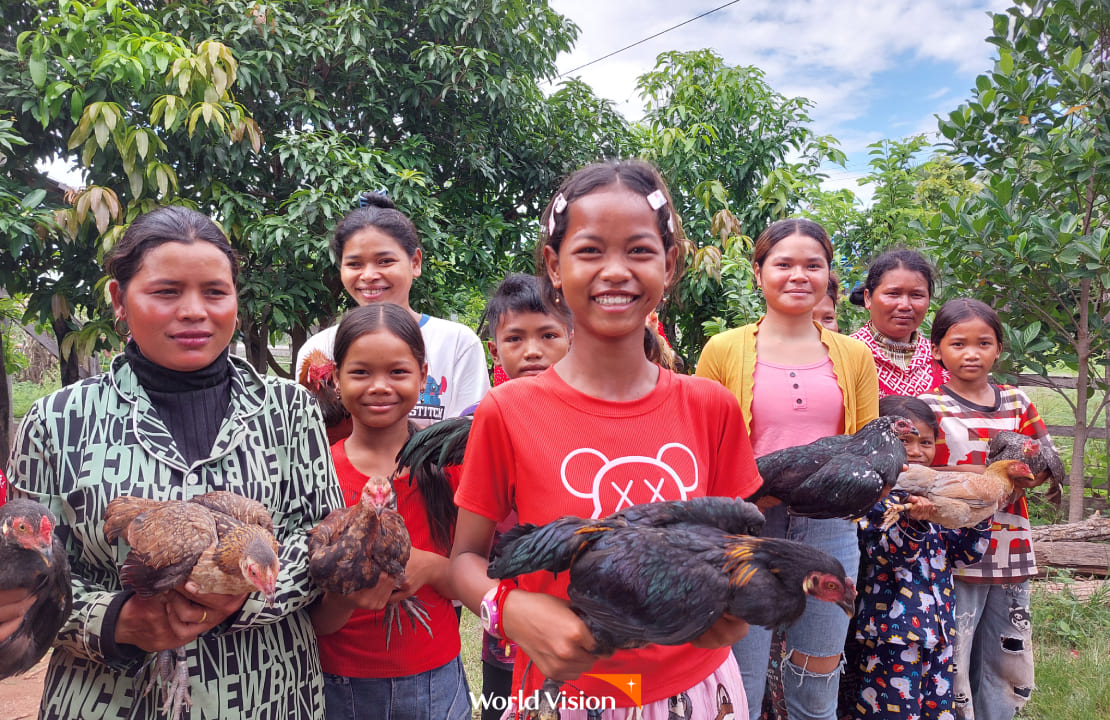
(1066, 383)
(1068, 431)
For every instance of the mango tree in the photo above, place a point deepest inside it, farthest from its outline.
(736, 155)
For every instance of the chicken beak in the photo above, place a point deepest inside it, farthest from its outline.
(269, 589)
(848, 602)
(45, 538)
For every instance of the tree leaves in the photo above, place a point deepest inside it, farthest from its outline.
(1032, 242)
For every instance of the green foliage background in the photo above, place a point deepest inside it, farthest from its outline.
(272, 116)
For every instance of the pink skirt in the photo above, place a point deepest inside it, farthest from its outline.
(717, 697)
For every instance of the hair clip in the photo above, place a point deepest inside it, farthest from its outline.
(364, 197)
(558, 205)
(656, 199)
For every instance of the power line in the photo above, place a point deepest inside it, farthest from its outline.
(644, 40)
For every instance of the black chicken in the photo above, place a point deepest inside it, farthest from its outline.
(840, 476)
(435, 447)
(665, 572)
(31, 557)
(1038, 455)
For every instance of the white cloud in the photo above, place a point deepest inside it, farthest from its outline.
(829, 51)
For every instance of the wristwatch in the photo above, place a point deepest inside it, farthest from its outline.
(488, 613)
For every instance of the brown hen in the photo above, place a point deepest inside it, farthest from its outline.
(222, 542)
(354, 547)
(960, 499)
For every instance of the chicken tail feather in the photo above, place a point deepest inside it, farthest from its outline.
(553, 547)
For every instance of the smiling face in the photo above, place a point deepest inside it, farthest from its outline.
(611, 266)
(968, 350)
(375, 268)
(794, 275)
(180, 306)
(527, 343)
(898, 303)
(380, 380)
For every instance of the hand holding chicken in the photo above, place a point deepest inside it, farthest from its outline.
(958, 499)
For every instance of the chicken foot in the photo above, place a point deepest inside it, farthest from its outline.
(416, 611)
(170, 672)
(175, 693)
(892, 514)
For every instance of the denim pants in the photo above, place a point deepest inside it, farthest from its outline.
(439, 694)
(820, 632)
(994, 650)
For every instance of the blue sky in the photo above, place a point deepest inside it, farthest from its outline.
(875, 69)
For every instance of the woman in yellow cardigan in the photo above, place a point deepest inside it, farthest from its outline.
(796, 382)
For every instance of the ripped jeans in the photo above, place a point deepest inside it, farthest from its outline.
(993, 650)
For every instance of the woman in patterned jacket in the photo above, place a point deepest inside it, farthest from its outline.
(896, 293)
(176, 417)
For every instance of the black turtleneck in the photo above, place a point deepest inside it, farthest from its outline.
(191, 404)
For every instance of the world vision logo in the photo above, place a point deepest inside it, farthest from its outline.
(628, 685)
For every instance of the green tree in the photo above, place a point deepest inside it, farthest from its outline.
(1033, 241)
(438, 102)
(736, 155)
(102, 84)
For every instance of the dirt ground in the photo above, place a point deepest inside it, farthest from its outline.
(19, 696)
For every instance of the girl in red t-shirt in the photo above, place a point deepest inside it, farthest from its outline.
(601, 429)
(380, 371)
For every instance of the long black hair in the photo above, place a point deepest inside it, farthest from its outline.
(439, 497)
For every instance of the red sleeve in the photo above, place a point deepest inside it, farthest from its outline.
(1031, 423)
(485, 484)
(736, 472)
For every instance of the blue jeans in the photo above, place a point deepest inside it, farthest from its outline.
(994, 650)
(439, 694)
(820, 632)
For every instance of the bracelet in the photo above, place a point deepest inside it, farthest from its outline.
(503, 589)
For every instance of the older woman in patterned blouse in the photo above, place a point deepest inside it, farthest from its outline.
(897, 292)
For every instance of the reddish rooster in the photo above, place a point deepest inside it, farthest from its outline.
(354, 547)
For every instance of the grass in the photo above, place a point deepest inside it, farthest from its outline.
(24, 394)
(470, 632)
(1071, 644)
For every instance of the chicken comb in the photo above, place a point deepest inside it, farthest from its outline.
(318, 370)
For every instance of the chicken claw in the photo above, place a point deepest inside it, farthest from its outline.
(893, 513)
(170, 672)
(175, 693)
(416, 611)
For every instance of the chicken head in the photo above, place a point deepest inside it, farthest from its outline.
(22, 530)
(830, 588)
(378, 494)
(259, 565)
